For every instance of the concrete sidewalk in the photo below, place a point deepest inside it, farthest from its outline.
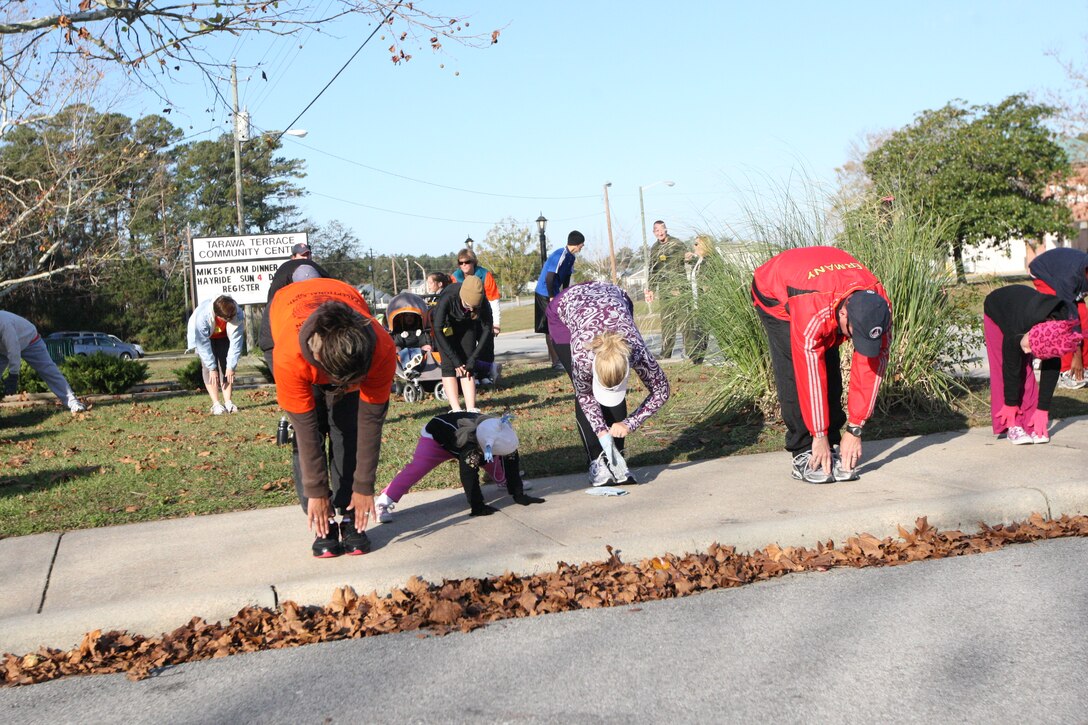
(153, 577)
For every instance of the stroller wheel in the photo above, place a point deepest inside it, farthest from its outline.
(440, 392)
(411, 393)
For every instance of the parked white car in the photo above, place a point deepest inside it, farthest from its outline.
(89, 343)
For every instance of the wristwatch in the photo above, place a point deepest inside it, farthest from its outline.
(854, 430)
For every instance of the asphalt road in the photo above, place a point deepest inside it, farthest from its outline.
(999, 636)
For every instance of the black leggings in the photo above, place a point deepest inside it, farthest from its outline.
(613, 414)
(798, 438)
(337, 419)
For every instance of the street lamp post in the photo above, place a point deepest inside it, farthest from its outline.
(642, 213)
(542, 224)
(611, 247)
(469, 243)
(423, 272)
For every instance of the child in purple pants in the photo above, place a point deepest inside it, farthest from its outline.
(476, 441)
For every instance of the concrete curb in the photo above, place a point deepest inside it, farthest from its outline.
(152, 616)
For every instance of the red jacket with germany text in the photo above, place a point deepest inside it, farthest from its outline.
(804, 287)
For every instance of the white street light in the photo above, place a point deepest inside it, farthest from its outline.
(611, 247)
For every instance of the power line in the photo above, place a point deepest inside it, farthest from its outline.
(342, 68)
(432, 218)
(444, 186)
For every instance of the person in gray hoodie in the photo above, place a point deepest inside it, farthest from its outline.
(19, 340)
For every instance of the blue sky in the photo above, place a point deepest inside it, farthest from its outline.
(721, 97)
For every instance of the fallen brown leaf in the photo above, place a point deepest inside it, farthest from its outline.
(467, 604)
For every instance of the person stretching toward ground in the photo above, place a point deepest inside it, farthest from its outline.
(593, 326)
(334, 368)
(1063, 272)
(467, 264)
(462, 326)
(810, 300)
(476, 441)
(216, 330)
(19, 340)
(1020, 324)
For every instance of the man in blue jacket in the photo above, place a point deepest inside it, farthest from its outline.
(555, 276)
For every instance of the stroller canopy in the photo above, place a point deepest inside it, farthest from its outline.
(407, 303)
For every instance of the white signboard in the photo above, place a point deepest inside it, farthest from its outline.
(241, 267)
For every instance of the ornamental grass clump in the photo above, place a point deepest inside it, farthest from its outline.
(904, 249)
(931, 332)
(724, 307)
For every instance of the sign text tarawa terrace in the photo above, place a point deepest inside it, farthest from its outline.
(240, 266)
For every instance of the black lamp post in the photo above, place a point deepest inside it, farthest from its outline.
(542, 223)
(469, 243)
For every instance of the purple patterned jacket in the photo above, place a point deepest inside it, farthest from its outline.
(584, 311)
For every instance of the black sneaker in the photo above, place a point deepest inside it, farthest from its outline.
(328, 546)
(352, 541)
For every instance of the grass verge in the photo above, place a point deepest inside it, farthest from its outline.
(126, 461)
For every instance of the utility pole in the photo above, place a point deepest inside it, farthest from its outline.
(241, 128)
(611, 248)
(237, 149)
(393, 266)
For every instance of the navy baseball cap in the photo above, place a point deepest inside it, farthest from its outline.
(870, 318)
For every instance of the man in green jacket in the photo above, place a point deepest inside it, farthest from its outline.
(668, 283)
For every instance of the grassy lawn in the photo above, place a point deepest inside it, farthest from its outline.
(521, 317)
(161, 369)
(164, 457)
(973, 293)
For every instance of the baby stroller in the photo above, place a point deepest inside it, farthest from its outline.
(408, 319)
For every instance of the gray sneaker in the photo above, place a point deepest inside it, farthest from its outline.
(802, 472)
(1067, 381)
(599, 474)
(841, 474)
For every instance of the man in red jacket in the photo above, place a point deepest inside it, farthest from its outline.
(809, 300)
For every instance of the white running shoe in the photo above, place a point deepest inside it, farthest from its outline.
(385, 506)
(230, 407)
(599, 475)
(77, 407)
(218, 409)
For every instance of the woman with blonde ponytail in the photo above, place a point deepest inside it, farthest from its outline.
(593, 328)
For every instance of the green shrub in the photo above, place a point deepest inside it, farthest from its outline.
(101, 373)
(190, 377)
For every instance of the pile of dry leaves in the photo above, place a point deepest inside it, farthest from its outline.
(466, 604)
